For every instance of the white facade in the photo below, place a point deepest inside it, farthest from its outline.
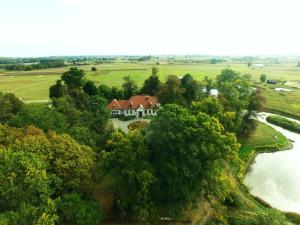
(138, 113)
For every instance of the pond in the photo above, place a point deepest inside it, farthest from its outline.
(275, 177)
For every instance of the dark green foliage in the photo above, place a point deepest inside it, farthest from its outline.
(94, 69)
(73, 77)
(191, 87)
(234, 93)
(40, 116)
(185, 150)
(255, 105)
(43, 64)
(128, 163)
(10, 105)
(106, 92)
(151, 84)
(263, 78)
(57, 90)
(129, 87)
(284, 123)
(90, 88)
(171, 91)
(74, 210)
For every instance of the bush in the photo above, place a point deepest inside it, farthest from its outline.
(284, 123)
(75, 210)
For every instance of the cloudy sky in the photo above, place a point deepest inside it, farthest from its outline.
(104, 27)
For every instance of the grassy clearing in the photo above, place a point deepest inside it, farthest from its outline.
(265, 138)
(284, 123)
(34, 85)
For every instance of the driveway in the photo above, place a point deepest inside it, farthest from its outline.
(119, 124)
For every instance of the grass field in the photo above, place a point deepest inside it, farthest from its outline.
(264, 138)
(284, 102)
(34, 85)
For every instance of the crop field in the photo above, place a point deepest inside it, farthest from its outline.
(34, 85)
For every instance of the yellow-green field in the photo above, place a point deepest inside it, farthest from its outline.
(34, 85)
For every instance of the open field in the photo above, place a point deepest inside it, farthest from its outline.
(34, 85)
(285, 103)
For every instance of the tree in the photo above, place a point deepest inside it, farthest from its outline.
(249, 64)
(71, 162)
(191, 87)
(171, 91)
(57, 90)
(129, 87)
(263, 78)
(298, 64)
(73, 77)
(234, 93)
(105, 92)
(128, 165)
(90, 88)
(151, 84)
(187, 152)
(10, 105)
(255, 105)
(74, 210)
(94, 69)
(25, 189)
(41, 116)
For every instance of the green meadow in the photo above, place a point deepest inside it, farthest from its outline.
(34, 85)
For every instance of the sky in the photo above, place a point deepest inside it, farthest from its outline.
(149, 27)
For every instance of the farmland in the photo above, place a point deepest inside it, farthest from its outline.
(33, 85)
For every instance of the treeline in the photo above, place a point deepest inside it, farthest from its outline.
(43, 64)
(75, 155)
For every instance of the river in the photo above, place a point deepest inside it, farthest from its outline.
(275, 177)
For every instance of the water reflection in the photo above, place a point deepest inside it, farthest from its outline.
(275, 177)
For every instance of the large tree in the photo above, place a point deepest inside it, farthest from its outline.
(129, 87)
(10, 105)
(171, 91)
(90, 88)
(127, 164)
(57, 90)
(71, 162)
(234, 93)
(74, 77)
(187, 152)
(151, 84)
(192, 88)
(41, 116)
(25, 189)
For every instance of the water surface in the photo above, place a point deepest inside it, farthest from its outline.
(275, 177)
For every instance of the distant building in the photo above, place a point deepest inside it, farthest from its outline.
(258, 65)
(271, 81)
(138, 106)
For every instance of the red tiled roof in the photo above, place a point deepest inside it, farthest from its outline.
(147, 102)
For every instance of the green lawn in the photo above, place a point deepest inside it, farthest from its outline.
(264, 138)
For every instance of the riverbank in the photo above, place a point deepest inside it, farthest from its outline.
(270, 171)
(264, 139)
